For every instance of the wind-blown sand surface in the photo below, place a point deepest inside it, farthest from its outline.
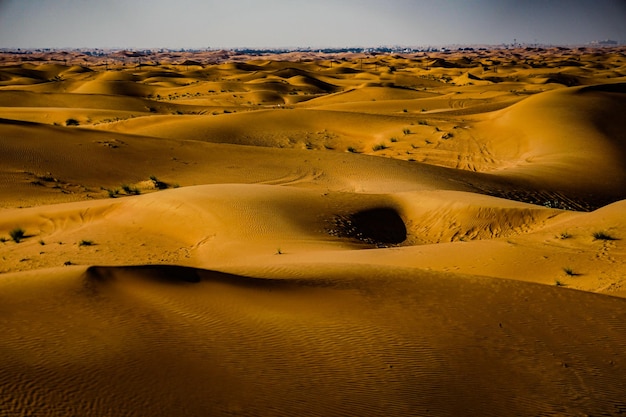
(435, 234)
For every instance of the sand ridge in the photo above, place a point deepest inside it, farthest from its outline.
(438, 233)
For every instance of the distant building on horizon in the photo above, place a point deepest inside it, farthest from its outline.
(605, 42)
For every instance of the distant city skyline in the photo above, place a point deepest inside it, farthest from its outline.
(298, 23)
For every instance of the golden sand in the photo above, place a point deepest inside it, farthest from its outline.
(431, 234)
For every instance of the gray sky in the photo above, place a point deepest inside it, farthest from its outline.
(303, 23)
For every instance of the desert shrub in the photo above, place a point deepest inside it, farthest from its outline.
(17, 234)
(406, 131)
(569, 271)
(393, 140)
(379, 147)
(85, 243)
(71, 122)
(47, 178)
(157, 183)
(130, 190)
(602, 235)
(352, 149)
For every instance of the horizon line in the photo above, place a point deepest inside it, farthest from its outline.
(600, 43)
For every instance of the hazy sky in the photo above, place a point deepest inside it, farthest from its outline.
(315, 23)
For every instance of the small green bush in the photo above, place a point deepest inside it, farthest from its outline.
(130, 190)
(85, 243)
(71, 122)
(603, 236)
(17, 234)
(158, 184)
(379, 147)
(569, 271)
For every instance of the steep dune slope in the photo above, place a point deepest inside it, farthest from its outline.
(577, 133)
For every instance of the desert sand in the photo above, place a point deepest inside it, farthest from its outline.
(428, 234)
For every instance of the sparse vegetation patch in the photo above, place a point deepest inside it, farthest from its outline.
(569, 271)
(130, 190)
(603, 235)
(158, 184)
(17, 234)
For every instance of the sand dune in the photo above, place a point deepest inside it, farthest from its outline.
(167, 340)
(211, 226)
(306, 234)
(563, 131)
